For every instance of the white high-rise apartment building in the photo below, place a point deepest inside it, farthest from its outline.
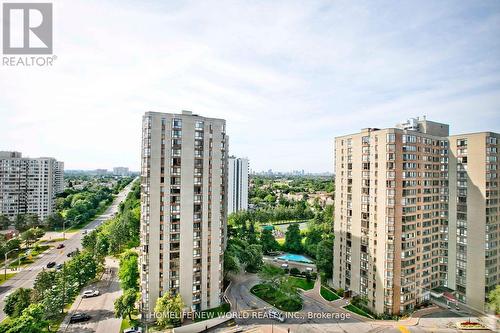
(183, 209)
(29, 185)
(237, 185)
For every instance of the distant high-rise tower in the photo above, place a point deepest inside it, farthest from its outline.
(29, 185)
(237, 185)
(183, 209)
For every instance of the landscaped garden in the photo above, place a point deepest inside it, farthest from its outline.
(328, 294)
(277, 297)
(355, 309)
(301, 283)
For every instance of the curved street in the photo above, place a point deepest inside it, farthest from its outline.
(319, 315)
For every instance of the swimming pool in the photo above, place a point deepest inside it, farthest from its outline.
(295, 257)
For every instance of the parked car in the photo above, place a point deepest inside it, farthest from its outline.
(133, 330)
(90, 293)
(273, 314)
(78, 317)
(60, 246)
(51, 264)
(59, 266)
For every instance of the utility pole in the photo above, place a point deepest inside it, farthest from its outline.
(5, 263)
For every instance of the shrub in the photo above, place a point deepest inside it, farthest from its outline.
(294, 271)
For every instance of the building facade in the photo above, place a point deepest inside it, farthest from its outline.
(473, 254)
(237, 184)
(183, 209)
(121, 171)
(390, 213)
(29, 185)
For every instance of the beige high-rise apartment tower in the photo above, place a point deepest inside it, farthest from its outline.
(183, 209)
(473, 254)
(391, 204)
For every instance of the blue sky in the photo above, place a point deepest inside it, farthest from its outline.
(288, 76)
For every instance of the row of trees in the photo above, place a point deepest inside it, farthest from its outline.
(296, 210)
(73, 206)
(116, 237)
(129, 281)
(121, 232)
(33, 309)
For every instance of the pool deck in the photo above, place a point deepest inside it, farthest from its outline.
(300, 265)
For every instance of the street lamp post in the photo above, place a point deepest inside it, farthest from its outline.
(64, 229)
(5, 262)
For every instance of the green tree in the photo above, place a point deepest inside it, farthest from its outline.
(231, 264)
(125, 304)
(494, 299)
(268, 241)
(251, 257)
(28, 237)
(251, 234)
(55, 221)
(168, 310)
(314, 236)
(129, 271)
(4, 222)
(293, 239)
(271, 275)
(16, 302)
(20, 223)
(324, 257)
(43, 282)
(31, 320)
(32, 220)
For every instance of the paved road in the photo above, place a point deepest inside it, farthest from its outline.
(309, 319)
(26, 277)
(100, 308)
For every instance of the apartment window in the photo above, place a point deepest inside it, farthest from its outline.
(198, 125)
(176, 123)
(391, 137)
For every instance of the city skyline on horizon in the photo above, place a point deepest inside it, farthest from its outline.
(287, 87)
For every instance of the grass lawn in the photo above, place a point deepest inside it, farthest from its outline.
(328, 294)
(24, 261)
(126, 323)
(276, 298)
(54, 240)
(302, 283)
(3, 279)
(39, 249)
(213, 313)
(357, 310)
